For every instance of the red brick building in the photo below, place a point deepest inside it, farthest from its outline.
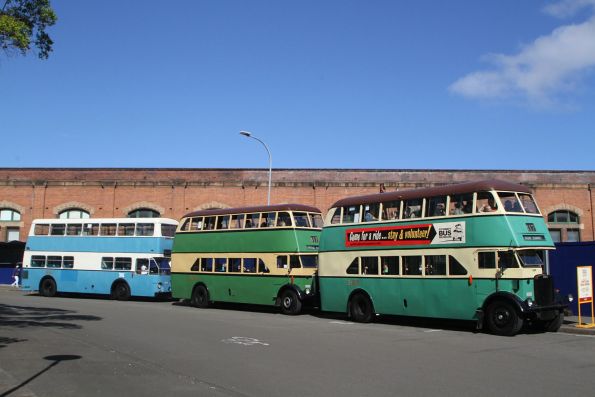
(565, 197)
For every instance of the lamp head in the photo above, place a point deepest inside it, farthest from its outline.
(246, 133)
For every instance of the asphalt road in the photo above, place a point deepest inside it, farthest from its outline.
(79, 346)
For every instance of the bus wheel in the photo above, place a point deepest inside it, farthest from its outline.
(555, 324)
(120, 291)
(290, 303)
(502, 319)
(360, 308)
(200, 297)
(48, 287)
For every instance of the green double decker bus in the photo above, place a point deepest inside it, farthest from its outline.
(258, 255)
(469, 251)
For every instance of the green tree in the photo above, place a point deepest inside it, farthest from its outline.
(24, 21)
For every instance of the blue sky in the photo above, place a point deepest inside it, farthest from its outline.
(421, 84)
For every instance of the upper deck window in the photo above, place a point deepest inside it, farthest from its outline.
(252, 220)
(196, 223)
(391, 210)
(74, 229)
(461, 204)
(267, 219)
(146, 229)
(301, 219)
(351, 214)
(283, 219)
(237, 221)
(510, 201)
(436, 206)
(223, 222)
(126, 229)
(41, 229)
(315, 220)
(166, 230)
(57, 229)
(336, 218)
(528, 203)
(209, 223)
(412, 208)
(108, 229)
(371, 212)
(91, 229)
(485, 202)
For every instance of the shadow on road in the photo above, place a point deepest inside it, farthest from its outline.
(57, 359)
(24, 316)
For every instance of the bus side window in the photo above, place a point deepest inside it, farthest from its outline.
(54, 261)
(108, 229)
(283, 219)
(461, 204)
(486, 260)
(221, 265)
(353, 267)
(206, 264)
(148, 229)
(282, 262)
(262, 268)
(237, 221)
(74, 229)
(57, 229)
(68, 262)
(38, 261)
(222, 222)
(209, 223)
(389, 265)
(436, 206)
(294, 262)
(249, 265)
(435, 265)
(505, 259)
(123, 264)
(252, 221)
(391, 210)
(371, 212)
(142, 266)
(315, 220)
(351, 214)
(196, 224)
(91, 229)
(126, 229)
(369, 265)
(485, 202)
(455, 268)
(235, 265)
(107, 263)
(412, 265)
(412, 209)
(186, 225)
(195, 266)
(336, 219)
(41, 229)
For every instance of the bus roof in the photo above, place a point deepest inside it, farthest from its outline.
(246, 210)
(459, 188)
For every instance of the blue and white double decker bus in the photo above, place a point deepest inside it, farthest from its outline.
(120, 257)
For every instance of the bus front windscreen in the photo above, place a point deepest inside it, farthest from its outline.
(531, 258)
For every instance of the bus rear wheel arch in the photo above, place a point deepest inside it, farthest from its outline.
(120, 291)
(360, 308)
(502, 318)
(290, 302)
(200, 297)
(47, 287)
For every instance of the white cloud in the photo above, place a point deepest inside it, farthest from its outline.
(551, 65)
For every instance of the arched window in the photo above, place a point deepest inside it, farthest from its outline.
(9, 215)
(10, 231)
(564, 226)
(73, 213)
(144, 213)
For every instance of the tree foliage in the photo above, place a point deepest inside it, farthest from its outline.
(25, 21)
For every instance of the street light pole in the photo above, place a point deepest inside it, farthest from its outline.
(249, 135)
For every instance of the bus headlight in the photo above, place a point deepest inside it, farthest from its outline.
(307, 290)
(529, 302)
(570, 298)
(159, 285)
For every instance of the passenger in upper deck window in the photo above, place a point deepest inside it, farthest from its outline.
(458, 210)
(490, 206)
(368, 217)
(439, 209)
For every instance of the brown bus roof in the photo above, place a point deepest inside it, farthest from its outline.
(262, 208)
(459, 188)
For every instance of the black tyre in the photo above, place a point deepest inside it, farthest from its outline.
(48, 287)
(555, 324)
(502, 319)
(200, 297)
(360, 308)
(121, 291)
(290, 302)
